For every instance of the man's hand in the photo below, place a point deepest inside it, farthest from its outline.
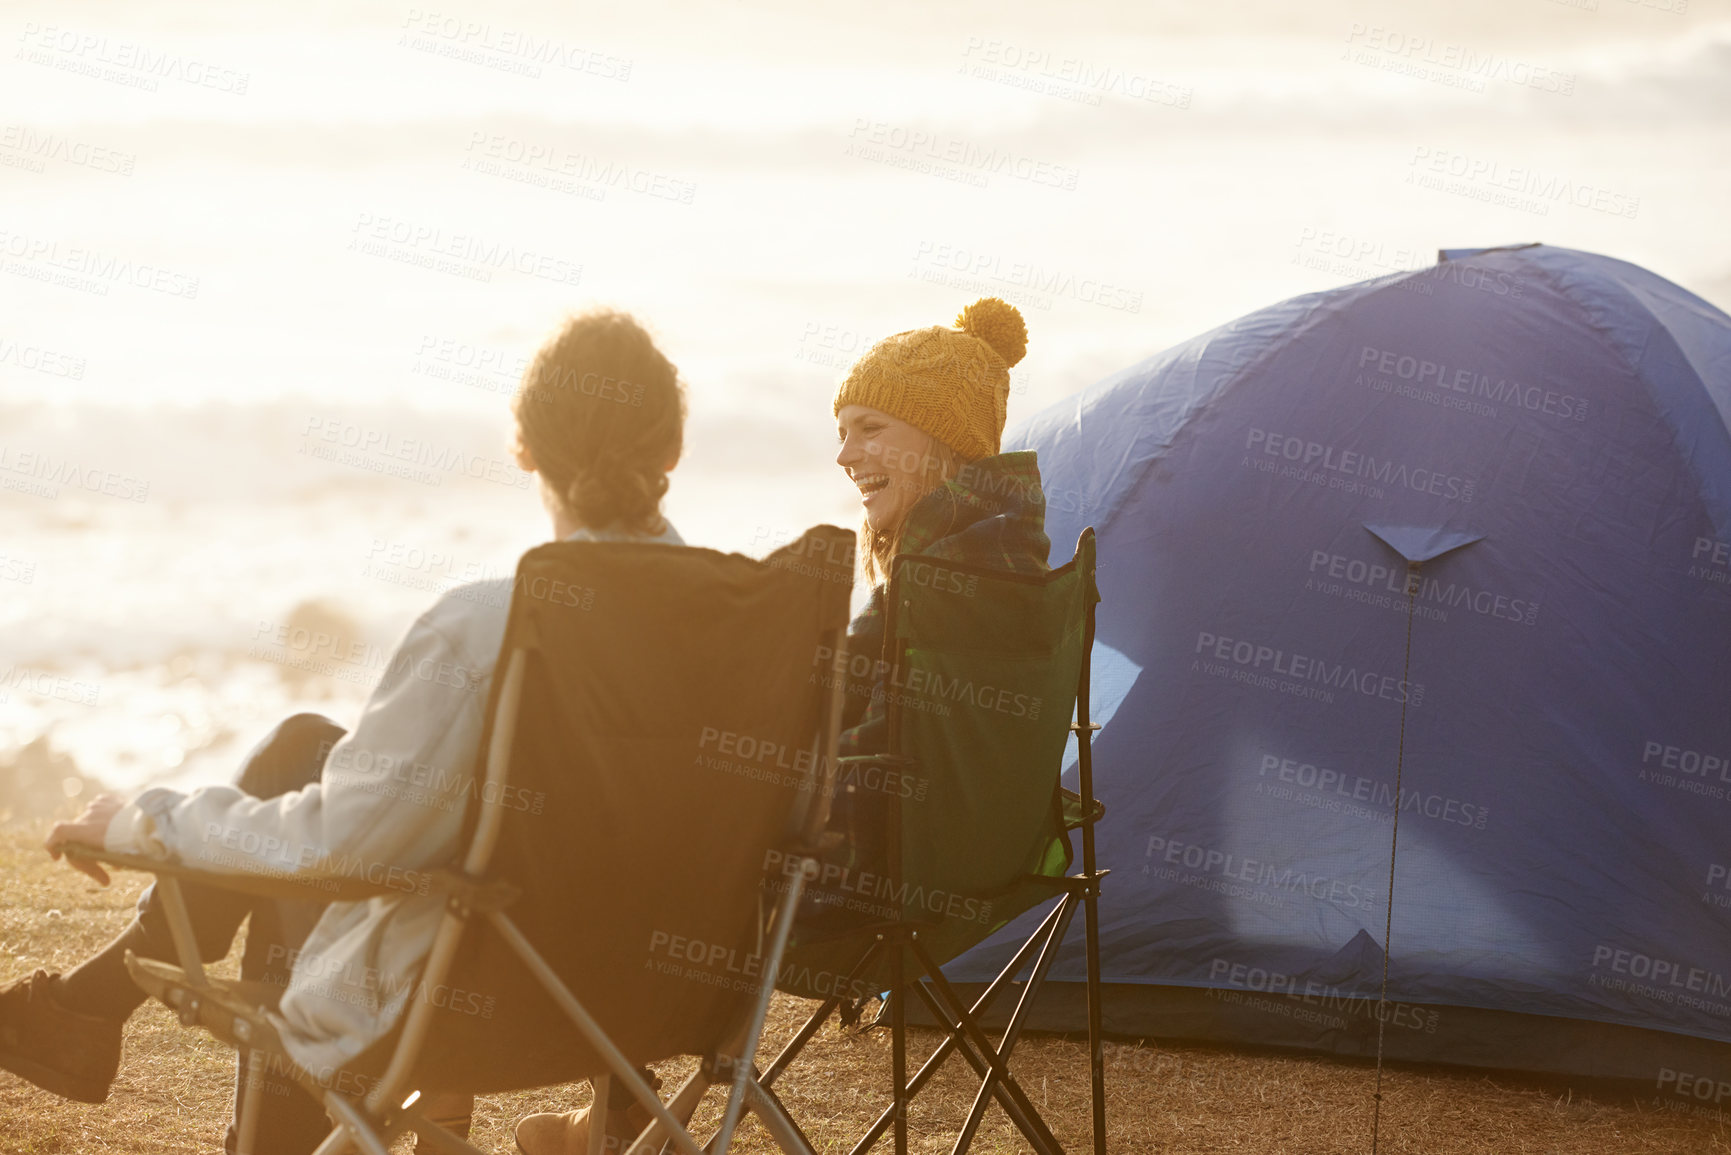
(88, 828)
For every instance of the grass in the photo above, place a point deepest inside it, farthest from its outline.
(175, 1085)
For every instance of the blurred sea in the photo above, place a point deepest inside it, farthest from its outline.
(266, 280)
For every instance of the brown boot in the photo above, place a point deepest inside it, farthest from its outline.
(547, 1133)
(567, 1133)
(72, 1055)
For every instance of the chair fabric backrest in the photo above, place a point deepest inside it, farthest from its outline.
(987, 690)
(984, 667)
(669, 715)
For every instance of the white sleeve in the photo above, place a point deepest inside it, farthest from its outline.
(392, 792)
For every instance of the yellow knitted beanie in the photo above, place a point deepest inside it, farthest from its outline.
(952, 383)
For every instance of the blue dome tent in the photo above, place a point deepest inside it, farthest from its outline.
(1453, 546)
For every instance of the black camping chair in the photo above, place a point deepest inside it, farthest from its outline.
(985, 669)
(669, 725)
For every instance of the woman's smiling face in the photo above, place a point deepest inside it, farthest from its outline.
(888, 459)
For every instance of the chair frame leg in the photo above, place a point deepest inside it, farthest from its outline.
(354, 1125)
(434, 1136)
(336, 1143)
(681, 1106)
(247, 1123)
(1085, 728)
(899, 1047)
(776, 1119)
(954, 1039)
(617, 1064)
(956, 1010)
(745, 1061)
(661, 1118)
(180, 929)
(602, 1085)
(1022, 1118)
(1096, 1038)
(1013, 1029)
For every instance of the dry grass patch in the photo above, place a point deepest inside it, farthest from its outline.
(175, 1086)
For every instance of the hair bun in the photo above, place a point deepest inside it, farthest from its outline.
(999, 325)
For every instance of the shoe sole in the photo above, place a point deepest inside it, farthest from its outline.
(53, 1081)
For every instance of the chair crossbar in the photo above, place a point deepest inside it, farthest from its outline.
(219, 1007)
(618, 1066)
(759, 1100)
(665, 1125)
(430, 1134)
(813, 1024)
(682, 1105)
(953, 1039)
(776, 1119)
(815, 1021)
(1019, 1113)
(1013, 1029)
(336, 1143)
(352, 1127)
(318, 887)
(955, 1009)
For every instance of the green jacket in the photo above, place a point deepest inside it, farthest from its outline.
(992, 513)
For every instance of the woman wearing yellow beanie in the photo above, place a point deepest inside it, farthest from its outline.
(923, 412)
(920, 417)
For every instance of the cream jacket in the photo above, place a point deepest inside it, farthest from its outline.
(388, 807)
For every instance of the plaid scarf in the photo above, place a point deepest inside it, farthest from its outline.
(992, 513)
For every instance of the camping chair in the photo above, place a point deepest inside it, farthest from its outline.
(659, 706)
(984, 670)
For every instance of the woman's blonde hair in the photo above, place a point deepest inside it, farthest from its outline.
(602, 411)
(879, 550)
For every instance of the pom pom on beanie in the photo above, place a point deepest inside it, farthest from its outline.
(953, 383)
(999, 325)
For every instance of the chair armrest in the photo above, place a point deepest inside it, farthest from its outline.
(870, 759)
(1073, 810)
(283, 885)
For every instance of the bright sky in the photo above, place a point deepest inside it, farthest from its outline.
(225, 224)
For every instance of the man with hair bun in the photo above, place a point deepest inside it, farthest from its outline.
(600, 417)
